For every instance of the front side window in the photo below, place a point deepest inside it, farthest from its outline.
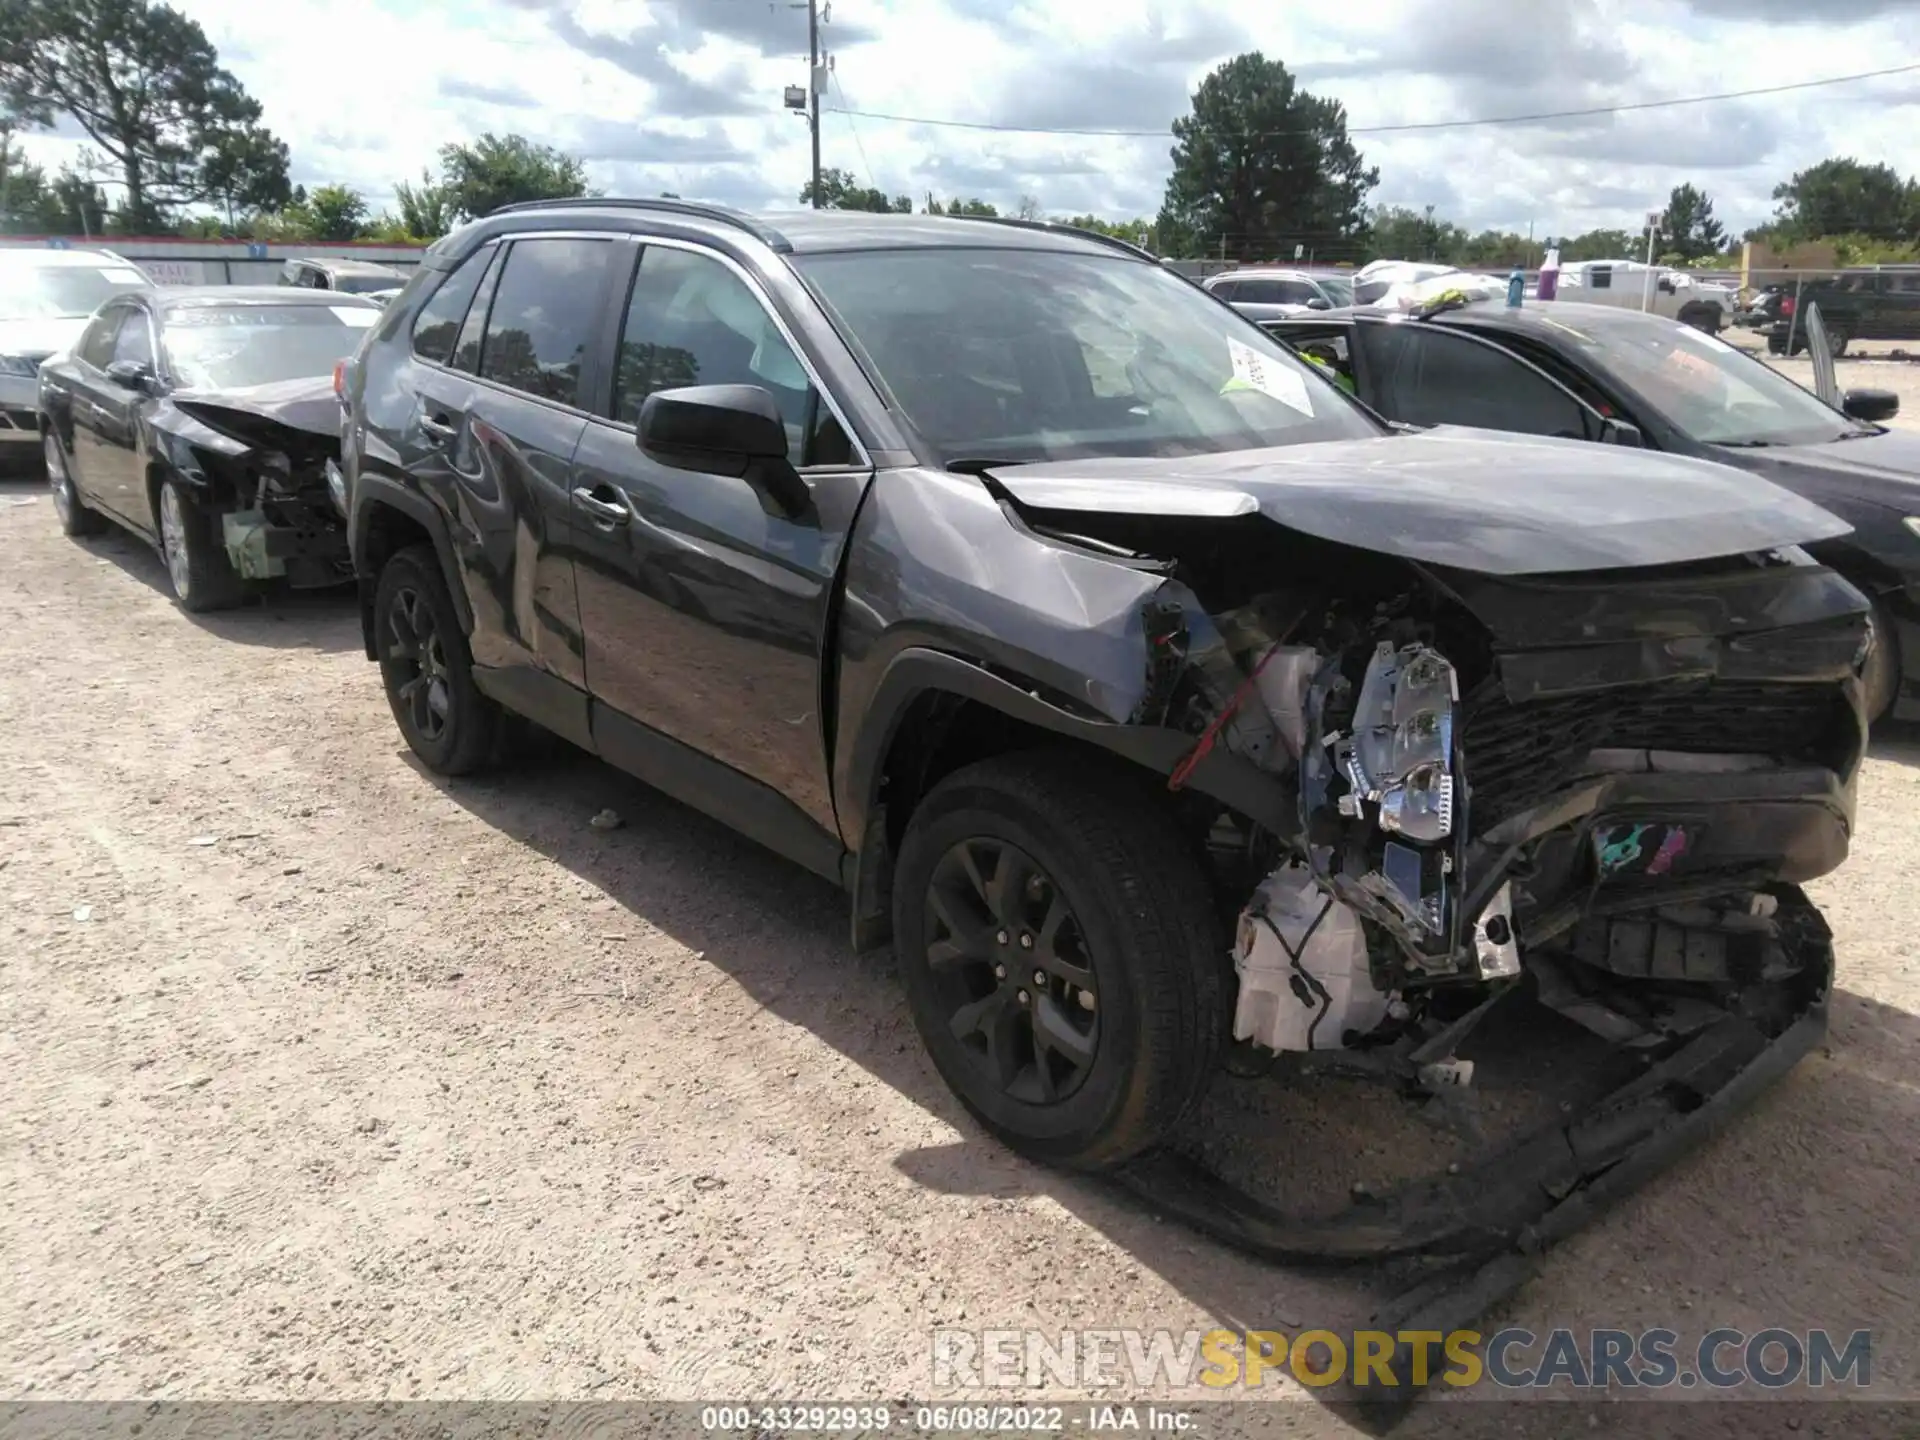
(1050, 354)
(543, 317)
(439, 320)
(692, 321)
(134, 342)
(1433, 377)
(219, 347)
(96, 345)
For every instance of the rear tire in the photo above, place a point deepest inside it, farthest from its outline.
(202, 576)
(428, 670)
(76, 520)
(1060, 950)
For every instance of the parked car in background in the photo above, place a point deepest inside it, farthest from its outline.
(1088, 637)
(45, 299)
(1861, 305)
(1662, 290)
(350, 277)
(1265, 293)
(204, 421)
(1583, 371)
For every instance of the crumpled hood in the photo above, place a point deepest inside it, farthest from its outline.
(40, 337)
(307, 404)
(1470, 499)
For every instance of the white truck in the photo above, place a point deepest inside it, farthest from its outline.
(1673, 293)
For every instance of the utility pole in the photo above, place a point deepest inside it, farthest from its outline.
(813, 91)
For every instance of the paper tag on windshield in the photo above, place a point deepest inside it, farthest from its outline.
(354, 315)
(1270, 377)
(121, 275)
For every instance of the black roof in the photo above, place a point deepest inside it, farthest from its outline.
(204, 296)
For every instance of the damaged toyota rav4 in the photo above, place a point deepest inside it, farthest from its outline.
(1149, 694)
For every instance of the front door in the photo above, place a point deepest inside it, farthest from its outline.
(122, 452)
(101, 412)
(704, 611)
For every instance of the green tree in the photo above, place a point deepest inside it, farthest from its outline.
(247, 172)
(1603, 245)
(1688, 228)
(1137, 232)
(1261, 165)
(506, 170)
(426, 210)
(1841, 196)
(838, 191)
(336, 213)
(391, 229)
(141, 79)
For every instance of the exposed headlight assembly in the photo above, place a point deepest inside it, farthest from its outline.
(1912, 522)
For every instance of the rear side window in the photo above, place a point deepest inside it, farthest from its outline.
(466, 354)
(439, 320)
(544, 313)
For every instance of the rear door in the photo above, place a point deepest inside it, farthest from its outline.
(492, 436)
(1420, 374)
(704, 613)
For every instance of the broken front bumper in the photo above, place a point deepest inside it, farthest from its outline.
(1484, 1228)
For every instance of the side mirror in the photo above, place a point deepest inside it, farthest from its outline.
(1621, 432)
(733, 430)
(1665, 285)
(1319, 303)
(131, 374)
(1871, 405)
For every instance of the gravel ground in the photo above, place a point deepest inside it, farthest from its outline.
(331, 1080)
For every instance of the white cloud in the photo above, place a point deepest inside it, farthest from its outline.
(686, 95)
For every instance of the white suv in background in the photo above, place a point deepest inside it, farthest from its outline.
(46, 297)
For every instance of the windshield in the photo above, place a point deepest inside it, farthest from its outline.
(1050, 355)
(54, 292)
(220, 347)
(1704, 387)
(366, 284)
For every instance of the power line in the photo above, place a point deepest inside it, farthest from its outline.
(1595, 110)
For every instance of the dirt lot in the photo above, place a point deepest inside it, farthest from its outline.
(326, 1079)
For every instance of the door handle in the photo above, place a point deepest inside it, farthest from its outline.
(604, 512)
(437, 430)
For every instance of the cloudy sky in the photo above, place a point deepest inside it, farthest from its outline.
(685, 95)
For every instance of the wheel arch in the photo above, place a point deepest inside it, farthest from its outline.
(933, 713)
(386, 520)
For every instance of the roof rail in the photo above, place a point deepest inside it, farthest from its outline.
(699, 209)
(1112, 242)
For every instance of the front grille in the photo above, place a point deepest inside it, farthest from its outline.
(1515, 755)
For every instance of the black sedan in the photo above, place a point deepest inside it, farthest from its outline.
(205, 421)
(1593, 372)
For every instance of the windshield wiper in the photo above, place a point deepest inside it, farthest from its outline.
(972, 465)
(1745, 444)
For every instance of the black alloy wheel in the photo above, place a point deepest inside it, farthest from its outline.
(1060, 949)
(428, 670)
(1010, 963)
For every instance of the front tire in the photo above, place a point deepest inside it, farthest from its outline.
(202, 576)
(428, 670)
(1881, 680)
(1060, 951)
(76, 520)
